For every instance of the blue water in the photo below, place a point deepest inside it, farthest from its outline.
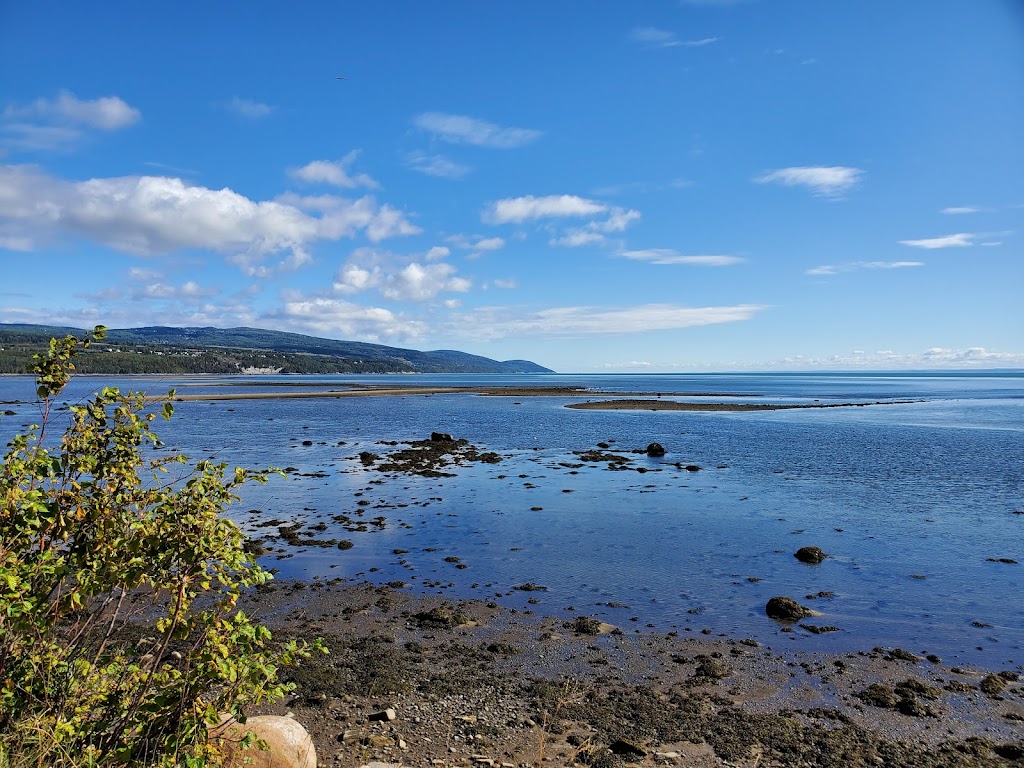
(910, 500)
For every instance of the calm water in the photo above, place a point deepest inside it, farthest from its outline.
(910, 500)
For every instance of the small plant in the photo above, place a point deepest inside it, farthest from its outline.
(120, 637)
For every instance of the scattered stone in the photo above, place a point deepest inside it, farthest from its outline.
(898, 654)
(584, 625)
(787, 609)
(811, 555)
(993, 685)
(385, 715)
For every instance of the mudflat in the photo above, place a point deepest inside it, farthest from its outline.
(470, 683)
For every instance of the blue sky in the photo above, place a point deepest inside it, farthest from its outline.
(598, 186)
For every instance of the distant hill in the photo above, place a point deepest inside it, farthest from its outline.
(158, 349)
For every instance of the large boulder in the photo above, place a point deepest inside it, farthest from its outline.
(655, 450)
(289, 745)
(812, 555)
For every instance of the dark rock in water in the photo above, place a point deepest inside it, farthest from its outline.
(655, 450)
(817, 629)
(368, 458)
(531, 587)
(812, 555)
(787, 609)
(1005, 560)
(692, 468)
(441, 437)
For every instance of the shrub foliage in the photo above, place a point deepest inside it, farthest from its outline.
(120, 637)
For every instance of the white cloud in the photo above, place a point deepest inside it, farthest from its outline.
(419, 282)
(824, 181)
(248, 107)
(334, 173)
(147, 215)
(337, 318)
(962, 209)
(835, 269)
(436, 165)
(519, 209)
(503, 322)
(669, 256)
(460, 129)
(107, 113)
(959, 240)
(396, 277)
(499, 283)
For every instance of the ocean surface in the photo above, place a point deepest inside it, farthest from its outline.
(916, 503)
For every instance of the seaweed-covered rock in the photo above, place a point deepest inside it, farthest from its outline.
(812, 555)
(656, 450)
(787, 609)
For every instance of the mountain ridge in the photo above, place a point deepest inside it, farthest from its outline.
(190, 349)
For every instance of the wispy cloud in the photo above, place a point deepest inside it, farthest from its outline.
(958, 240)
(334, 173)
(107, 113)
(936, 357)
(476, 244)
(961, 209)
(825, 181)
(653, 37)
(517, 210)
(61, 122)
(248, 107)
(503, 322)
(669, 256)
(436, 165)
(853, 266)
(461, 129)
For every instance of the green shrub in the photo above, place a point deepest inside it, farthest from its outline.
(120, 637)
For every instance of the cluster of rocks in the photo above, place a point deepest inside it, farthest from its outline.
(427, 457)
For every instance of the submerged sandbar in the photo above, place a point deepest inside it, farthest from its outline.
(611, 401)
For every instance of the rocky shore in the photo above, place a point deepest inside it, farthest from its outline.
(420, 681)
